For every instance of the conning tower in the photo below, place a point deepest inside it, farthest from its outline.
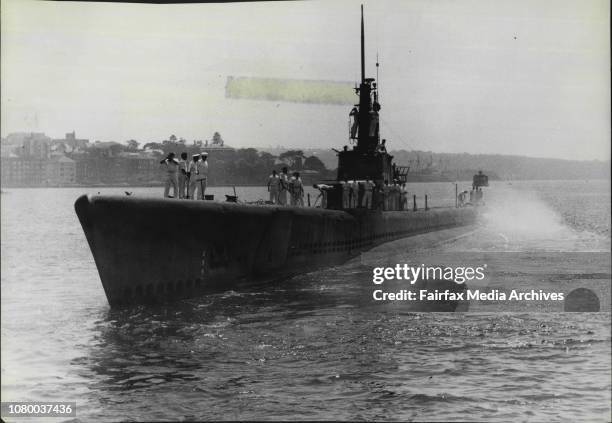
(368, 159)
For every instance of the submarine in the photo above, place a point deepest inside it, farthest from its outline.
(157, 250)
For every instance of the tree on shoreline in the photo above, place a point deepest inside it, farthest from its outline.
(132, 145)
(294, 158)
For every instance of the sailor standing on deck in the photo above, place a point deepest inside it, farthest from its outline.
(403, 197)
(386, 192)
(396, 195)
(284, 187)
(366, 200)
(297, 190)
(300, 190)
(274, 186)
(193, 171)
(201, 176)
(183, 176)
(354, 194)
(461, 198)
(391, 195)
(293, 190)
(172, 166)
(346, 194)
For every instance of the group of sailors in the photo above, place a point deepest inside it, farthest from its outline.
(473, 197)
(186, 177)
(280, 185)
(395, 196)
(367, 194)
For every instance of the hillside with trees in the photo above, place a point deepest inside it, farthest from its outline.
(31, 159)
(452, 166)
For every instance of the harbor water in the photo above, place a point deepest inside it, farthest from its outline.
(314, 346)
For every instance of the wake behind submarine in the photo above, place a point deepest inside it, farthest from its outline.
(207, 246)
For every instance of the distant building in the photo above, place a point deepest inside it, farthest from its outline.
(17, 171)
(27, 145)
(74, 142)
(32, 159)
(37, 148)
(9, 150)
(24, 156)
(60, 171)
(17, 138)
(70, 143)
(107, 148)
(140, 168)
(22, 172)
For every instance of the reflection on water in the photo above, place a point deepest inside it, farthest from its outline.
(312, 347)
(190, 332)
(262, 359)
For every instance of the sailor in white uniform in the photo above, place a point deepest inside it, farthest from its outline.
(202, 175)
(323, 190)
(346, 191)
(299, 188)
(403, 197)
(193, 172)
(354, 194)
(395, 196)
(183, 176)
(296, 190)
(171, 166)
(284, 187)
(368, 188)
(386, 192)
(274, 186)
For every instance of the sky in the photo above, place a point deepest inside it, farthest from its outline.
(522, 77)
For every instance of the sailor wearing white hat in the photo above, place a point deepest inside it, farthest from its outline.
(193, 171)
(183, 176)
(171, 180)
(202, 175)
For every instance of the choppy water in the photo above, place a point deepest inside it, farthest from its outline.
(316, 346)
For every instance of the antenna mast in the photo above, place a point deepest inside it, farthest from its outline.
(377, 80)
(362, 49)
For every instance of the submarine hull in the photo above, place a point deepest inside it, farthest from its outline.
(156, 250)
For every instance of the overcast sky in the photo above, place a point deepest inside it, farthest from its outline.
(485, 76)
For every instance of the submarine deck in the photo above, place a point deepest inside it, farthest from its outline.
(157, 249)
